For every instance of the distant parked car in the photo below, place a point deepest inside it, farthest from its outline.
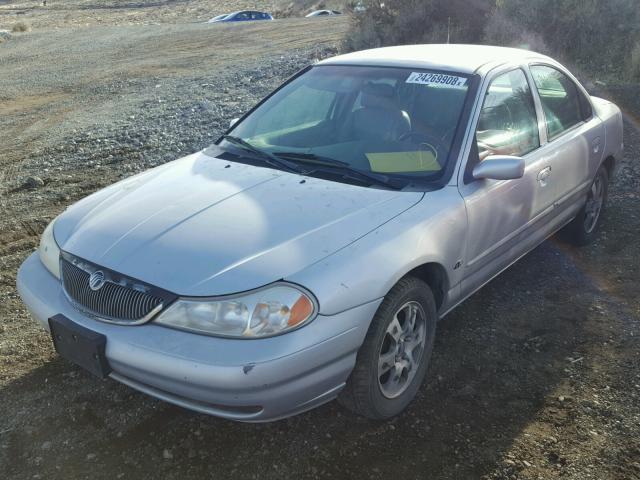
(243, 16)
(219, 18)
(323, 13)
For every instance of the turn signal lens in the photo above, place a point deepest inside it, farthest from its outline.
(49, 251)
(301, 310)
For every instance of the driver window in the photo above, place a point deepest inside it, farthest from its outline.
(508, 124)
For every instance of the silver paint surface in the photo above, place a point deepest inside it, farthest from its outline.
(201, 226)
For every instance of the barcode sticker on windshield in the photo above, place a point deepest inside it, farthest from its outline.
(439, 79)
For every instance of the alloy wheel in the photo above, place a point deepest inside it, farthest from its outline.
(402, 349)
(593, 207)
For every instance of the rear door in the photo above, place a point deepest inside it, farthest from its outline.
(575, 137)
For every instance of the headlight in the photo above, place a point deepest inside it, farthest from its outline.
(49, 251)
(262, 313)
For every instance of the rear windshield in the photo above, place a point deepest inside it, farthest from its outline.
(395, 121)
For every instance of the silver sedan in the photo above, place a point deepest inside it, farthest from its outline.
(309, 253)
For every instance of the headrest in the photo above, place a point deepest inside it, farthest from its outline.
(379, 95)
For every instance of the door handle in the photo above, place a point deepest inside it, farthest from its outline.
(543, 176)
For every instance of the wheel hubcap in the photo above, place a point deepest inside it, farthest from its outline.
(402, 349)
(592, 209)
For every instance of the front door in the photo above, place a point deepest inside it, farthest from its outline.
(505, 217)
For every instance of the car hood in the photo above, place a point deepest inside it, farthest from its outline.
(203, 226)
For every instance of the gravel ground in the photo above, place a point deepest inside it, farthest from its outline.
(534, 377)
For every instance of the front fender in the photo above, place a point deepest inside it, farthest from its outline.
(433, 230)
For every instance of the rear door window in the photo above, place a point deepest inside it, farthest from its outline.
(563, 108)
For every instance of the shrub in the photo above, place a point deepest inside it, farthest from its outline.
(633, 68)
(597, 36)
(21, 27)
(502, 30)
(396, 22)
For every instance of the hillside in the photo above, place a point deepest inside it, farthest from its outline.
(59, 14)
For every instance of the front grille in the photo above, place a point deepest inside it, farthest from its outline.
(119, 300)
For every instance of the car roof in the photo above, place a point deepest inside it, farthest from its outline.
(451, 57)
(246, 11)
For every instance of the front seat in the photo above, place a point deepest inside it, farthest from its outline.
(379, 117)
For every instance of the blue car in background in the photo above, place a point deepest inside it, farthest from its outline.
(242, 16)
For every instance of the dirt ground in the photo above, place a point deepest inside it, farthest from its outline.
(536, 376)
(62, 14)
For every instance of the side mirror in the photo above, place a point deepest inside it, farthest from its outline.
(499, 167)
(233, 122)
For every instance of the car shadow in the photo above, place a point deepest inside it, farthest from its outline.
(498, 359)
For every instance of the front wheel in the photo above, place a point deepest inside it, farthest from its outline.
(584, 227)
(393, 359)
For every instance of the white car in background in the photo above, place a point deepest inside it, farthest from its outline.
(323, 13)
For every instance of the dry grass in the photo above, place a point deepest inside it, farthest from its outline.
(89, 13)
(21, 27)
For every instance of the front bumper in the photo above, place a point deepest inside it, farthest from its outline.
(246, 380)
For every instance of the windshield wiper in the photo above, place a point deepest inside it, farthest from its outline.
(269, 158)
(313, 158)
(373, 177)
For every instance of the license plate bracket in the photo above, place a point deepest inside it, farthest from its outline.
(80, 345)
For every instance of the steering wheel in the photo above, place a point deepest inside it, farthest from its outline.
(436, 143)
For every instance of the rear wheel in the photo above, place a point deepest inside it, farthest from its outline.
(393, 359)
(583, 229)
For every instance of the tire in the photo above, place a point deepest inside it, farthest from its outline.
(376, 396)
(584, 227)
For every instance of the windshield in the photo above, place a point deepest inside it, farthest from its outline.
(392, 121)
